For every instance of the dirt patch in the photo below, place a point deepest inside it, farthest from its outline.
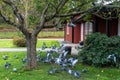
(8, 29)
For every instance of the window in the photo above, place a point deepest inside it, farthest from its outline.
(88, 28)
(68, 29)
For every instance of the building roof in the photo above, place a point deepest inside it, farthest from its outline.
(102, 11)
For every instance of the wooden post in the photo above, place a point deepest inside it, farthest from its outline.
(95, 25)
(72, 34)
(107, 28)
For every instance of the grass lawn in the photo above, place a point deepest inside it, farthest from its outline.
(9, 43)
(42, 34)
(41, 72)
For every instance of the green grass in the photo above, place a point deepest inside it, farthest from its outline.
(41, 72)
(9, 43)
(11, 35)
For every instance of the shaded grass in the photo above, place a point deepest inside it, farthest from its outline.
(9, 43)
(42, 34)
(41, 72)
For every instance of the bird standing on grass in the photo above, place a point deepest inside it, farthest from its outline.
(5, 57)
(7, 65)
(44, 46)
(77, 74)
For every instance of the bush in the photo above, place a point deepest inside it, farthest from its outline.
(98, 47)
(19, 42)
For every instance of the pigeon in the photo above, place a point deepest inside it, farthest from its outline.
(43, 59)
(63, 55)
(71, 25)
(44, 46)
(5, 57)
(7, 65)
(112, 57)
(24, 60)
(53, 70)
(53, 47)
(70, 60)
(61, 48)
(15, 56)
(50, 72)
(69, 71)
(63, 64)
(38, 57)
(58, 61)
(48, 56)
(84, 70)
(52, 60)
(74, 62)
(14, 69)
(77, 74)
(63, 68)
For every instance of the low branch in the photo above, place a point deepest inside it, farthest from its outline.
(15, 10)
(6, 19)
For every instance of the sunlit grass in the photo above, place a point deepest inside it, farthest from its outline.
(41, 73)
(53, 34)
(9, 43)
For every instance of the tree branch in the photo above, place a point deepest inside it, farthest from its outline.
(58, 8)
(6, 19)
(15, 10)
(20, 26)
(42, 21)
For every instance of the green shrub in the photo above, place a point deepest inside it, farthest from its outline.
(98, 47)
(19, 41)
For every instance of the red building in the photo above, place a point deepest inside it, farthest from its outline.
(101, 21)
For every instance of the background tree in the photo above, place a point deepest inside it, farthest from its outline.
(31, 16)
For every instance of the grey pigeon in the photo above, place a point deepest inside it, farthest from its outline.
(14, 69)
(38, 57)
(69, 71)
(7, 65)
(53, 47)
(53, 70)
(58, 61)
(61, 48)
(84, 70)
(44, 46)
(24, 60)
(71, 25)
(15, 56)
(77, 74)
(5, 57)
(112, 57)
(70, 60)
(73, 63)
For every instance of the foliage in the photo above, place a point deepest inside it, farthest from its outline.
(19, 42)
(98, 47)
(87, 17)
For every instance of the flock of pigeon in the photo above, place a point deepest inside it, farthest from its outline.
(65, 63)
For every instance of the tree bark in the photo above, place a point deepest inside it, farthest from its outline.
(31, 41)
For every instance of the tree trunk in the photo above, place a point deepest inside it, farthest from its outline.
(31, 41)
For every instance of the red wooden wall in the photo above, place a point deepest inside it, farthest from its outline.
(101, 29)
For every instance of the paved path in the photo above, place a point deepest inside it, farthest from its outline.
(61, 41)
(19, 49)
